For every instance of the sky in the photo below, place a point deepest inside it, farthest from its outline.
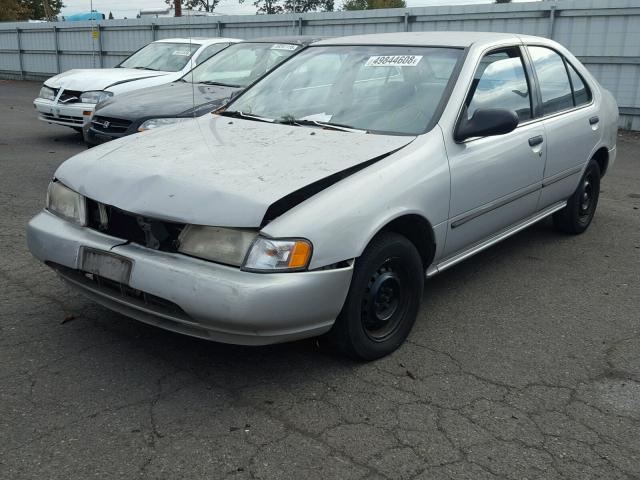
(123, 8)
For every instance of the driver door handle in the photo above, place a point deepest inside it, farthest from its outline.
(537, 140)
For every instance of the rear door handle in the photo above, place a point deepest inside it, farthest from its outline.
(594, 120)
(537, 140)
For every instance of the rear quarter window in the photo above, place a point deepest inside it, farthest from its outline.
(581, 93)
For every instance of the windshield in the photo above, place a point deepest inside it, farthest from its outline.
(241, 64)
(163, 56)
(374, 88)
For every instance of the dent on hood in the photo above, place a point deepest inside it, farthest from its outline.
(221, 172)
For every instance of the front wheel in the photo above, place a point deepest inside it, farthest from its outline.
(383, 300)
(576, 217)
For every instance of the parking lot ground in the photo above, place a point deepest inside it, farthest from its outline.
(524, 363)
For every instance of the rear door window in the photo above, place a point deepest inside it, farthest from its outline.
(555, 86)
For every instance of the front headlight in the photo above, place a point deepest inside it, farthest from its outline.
(273, 255)
(47, 93)
(95, 96)
(223, 245)
(159, 122)
(66, 203)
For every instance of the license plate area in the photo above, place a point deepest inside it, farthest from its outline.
(105, 264)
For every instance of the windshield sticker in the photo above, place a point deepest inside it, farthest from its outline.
(182, 53)
(394, 61)
(284, 46)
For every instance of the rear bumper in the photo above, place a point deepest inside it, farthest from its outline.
(68, 115)
(195, 297)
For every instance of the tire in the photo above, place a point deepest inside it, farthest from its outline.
(77, 129)
(383, 299)
(576, 217)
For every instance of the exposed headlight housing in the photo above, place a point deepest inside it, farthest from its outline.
(223, 245)
(159, 122)
(95, 96)
(47, 93)
(66, 203)
(278, 255)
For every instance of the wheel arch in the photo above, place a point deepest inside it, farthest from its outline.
(601, 155)
(417, 229)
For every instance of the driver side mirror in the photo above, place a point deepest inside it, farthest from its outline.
(486, 122)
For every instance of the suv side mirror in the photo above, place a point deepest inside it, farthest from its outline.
(485, 123)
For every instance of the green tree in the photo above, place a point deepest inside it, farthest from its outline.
(38, 8)
(12, 10)
(372, 4)
(502, 1)
(201, 5)
(110, 16)
(291, 6)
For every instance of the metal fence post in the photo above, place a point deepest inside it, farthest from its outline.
(154, 35)
(20, 53)
(57, 47)
(406, 21)
(100, 45)
(219, 28)
(552, 17)
(300, 26)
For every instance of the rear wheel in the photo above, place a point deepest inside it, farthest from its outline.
(576, 217)
(383, 299)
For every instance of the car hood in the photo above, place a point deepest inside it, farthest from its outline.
(84, 80)
(217, 170)
(173, 99)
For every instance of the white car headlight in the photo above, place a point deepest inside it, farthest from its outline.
(273, 255)
(47, 93)
(159, 122)
(223, 245)
(95, 96)
(66, 203)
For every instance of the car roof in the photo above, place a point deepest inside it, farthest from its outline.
(293, 39)
(440, 39)
(200, 40)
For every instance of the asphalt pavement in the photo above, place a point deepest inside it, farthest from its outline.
(524, 363)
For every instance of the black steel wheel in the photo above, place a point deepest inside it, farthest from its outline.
(576, 217)
(383, 300)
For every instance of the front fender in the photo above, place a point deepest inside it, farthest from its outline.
(342, 219)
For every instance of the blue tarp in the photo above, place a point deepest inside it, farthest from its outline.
(77, 17)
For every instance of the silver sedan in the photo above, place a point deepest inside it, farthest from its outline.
(321, 198)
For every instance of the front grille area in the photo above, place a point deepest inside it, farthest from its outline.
(109, 125)
(69, 96)
(65, 118)
(119, 290)
(148, 232)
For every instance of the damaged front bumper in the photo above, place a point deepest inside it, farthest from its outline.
(73, 115)
(192, 296)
